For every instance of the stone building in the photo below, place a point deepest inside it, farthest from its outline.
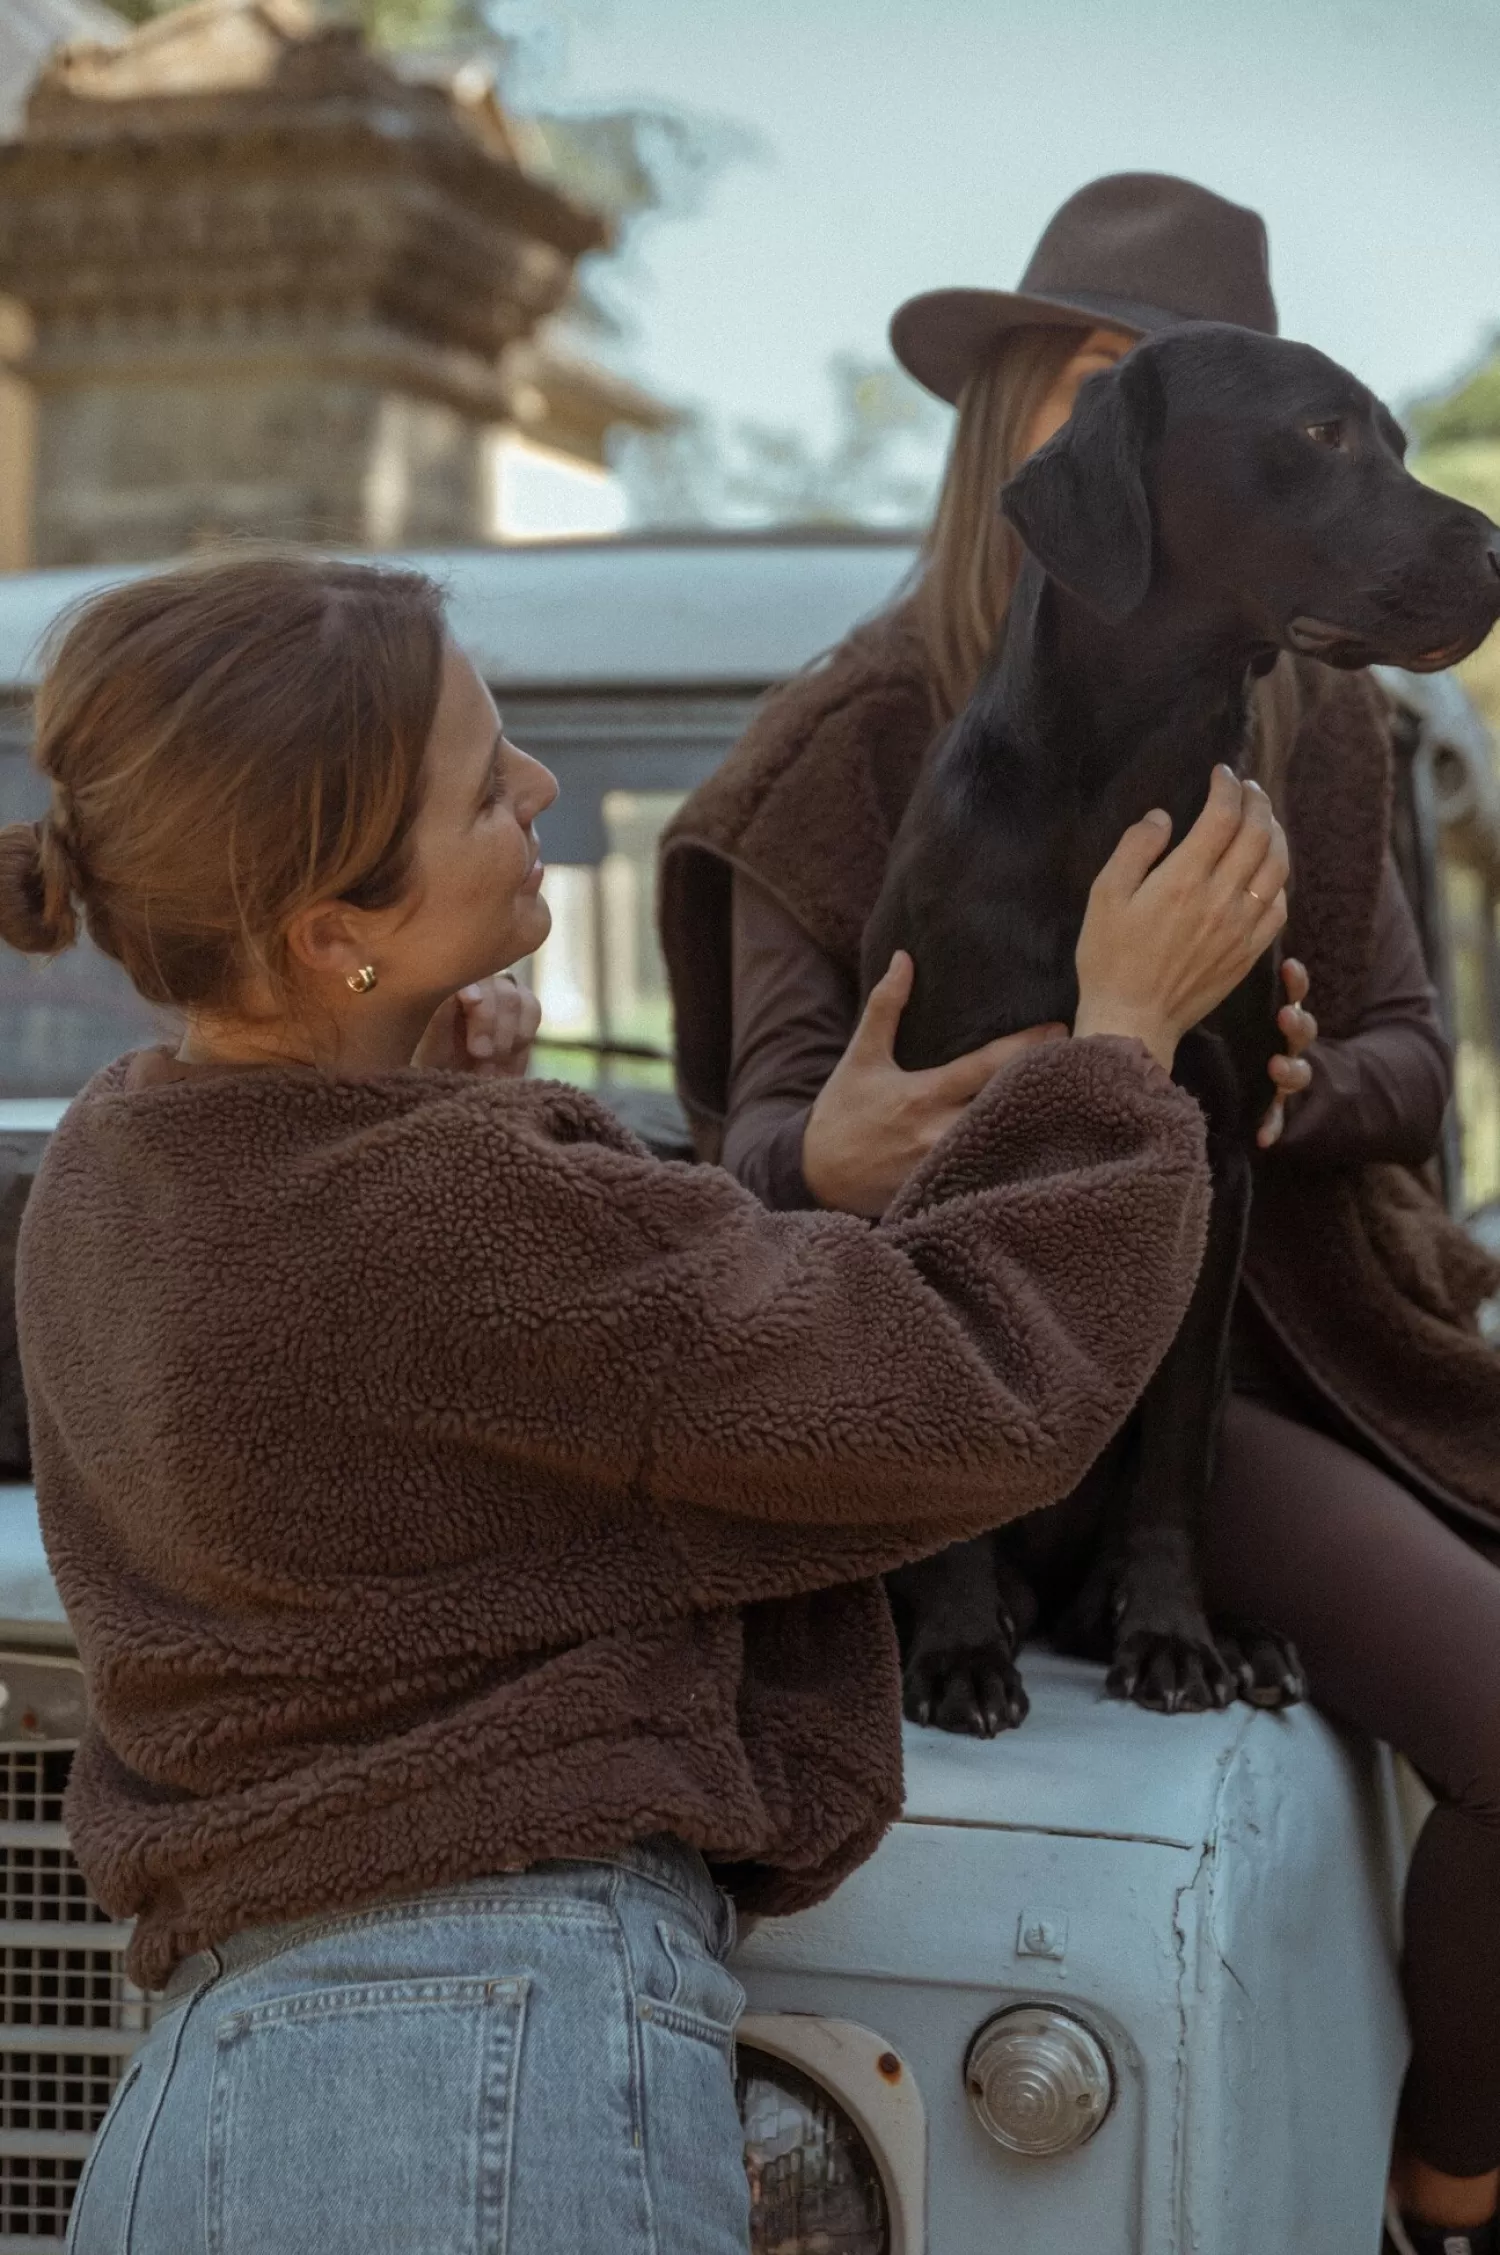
(29, 32)
(273, 286)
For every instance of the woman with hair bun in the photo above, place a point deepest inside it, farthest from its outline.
(471, 1526)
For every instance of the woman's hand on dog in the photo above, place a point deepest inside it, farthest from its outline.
(487, 1028)
(1164, 942)
(872, 1122)
(1290, 1073)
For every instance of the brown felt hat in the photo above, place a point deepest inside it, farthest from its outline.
(1137, 251)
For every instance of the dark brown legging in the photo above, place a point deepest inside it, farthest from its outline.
(1398, 1621)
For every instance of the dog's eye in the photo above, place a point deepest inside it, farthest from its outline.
(1326, 434)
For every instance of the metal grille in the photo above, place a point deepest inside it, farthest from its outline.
(33, 1780)
(69, 2019)
(49, 2090)
(46, 1884)
(36, 2192)
(67, 1989)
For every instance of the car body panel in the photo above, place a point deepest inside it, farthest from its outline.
(1232, 1942)
(626, 614)
(28, 1595)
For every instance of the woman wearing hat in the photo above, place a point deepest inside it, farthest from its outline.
(1358, 1500)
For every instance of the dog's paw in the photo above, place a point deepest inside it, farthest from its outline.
(1171, 1671)
(1264, 1664)
(975, 1690)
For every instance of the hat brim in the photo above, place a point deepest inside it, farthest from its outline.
(942, 336)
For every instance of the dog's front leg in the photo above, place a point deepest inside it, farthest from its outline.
(962, 1618)
(1165, 1653)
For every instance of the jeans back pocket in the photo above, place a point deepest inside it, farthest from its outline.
(348, 2119)
(700, 1996)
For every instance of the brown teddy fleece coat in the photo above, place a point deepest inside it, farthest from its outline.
(1369, 1288)
(436, 1483)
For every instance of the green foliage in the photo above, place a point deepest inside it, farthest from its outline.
(416, 23)
(1471, 410)
(1457, 449)
(633, 165)
(385, 23)
(1469, 469)
(637, 160)
(879, 468)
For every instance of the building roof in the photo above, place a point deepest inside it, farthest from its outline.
(29, 32)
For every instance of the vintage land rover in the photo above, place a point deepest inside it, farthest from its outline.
(1114, 1982)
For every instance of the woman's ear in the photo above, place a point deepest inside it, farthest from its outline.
(1079, 503)
(326, 939)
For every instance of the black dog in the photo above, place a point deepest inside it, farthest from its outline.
(1217, 498)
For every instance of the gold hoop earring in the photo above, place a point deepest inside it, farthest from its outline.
(361, 981)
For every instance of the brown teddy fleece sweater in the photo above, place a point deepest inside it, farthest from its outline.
(436, 1482)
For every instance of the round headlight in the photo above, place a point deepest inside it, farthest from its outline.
(814, 2185)
(1039, 2080)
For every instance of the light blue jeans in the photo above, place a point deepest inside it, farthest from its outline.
(539, 2064)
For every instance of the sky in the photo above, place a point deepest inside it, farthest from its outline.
(908, 144)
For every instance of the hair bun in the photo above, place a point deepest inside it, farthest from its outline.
(36, 905)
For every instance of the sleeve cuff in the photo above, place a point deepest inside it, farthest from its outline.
(786, 1187)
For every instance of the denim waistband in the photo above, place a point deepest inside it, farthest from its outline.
(662, 1861)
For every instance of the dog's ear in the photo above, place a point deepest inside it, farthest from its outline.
(1079, 502)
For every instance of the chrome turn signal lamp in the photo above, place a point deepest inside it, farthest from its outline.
(1039, 2080)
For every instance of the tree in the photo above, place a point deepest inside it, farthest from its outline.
(880, 467)
(1457, 434)
(386, 23)
(636, 165)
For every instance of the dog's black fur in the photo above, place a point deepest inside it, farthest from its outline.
(1218, 497)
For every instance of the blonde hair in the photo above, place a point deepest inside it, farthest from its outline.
(226, 743)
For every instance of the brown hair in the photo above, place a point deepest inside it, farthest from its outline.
(227, 743)
(971, 556)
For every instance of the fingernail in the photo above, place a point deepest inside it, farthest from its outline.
(1251, 785)
(480, 1045)
(1160, 817)
(1226, 771)
(470, 994)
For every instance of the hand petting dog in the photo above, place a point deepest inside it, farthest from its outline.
(873, 1122)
